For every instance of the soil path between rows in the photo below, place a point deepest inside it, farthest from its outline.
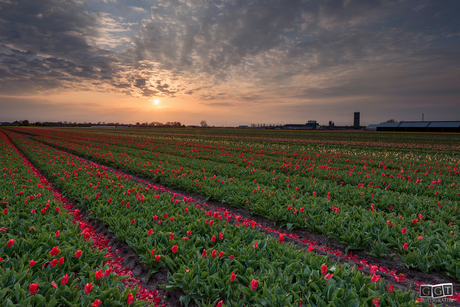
(321, 243)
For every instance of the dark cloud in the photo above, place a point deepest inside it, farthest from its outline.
(52, 27)
(45, 45)
(140, 83)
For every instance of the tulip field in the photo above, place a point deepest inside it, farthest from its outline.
(389, 202)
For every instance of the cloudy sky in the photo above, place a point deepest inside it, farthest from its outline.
(229, 62)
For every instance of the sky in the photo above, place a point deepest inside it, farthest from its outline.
(229, 62)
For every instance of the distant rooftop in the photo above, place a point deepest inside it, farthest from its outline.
(414, 124)
(425, 126)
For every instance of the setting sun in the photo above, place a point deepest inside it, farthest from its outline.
(156, 101)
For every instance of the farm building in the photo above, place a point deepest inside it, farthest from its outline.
(311, 125)
(371, 127)
(433, 126)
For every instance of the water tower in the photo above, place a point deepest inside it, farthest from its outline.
(356, 121)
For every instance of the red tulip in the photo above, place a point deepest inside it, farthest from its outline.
(65, 279)
(53, 262)
(88, 288)
(323, 269)
(132, 221)
(281, 238)
(53, 284)
(96, 303)
(255, 245)
(99, 274)
(3, 228)
(390, 288)
(231, 257)
(157, 258)
(150, 231)
(403, 230)
(214, 253)
(213, 239)
(232, 276)
(219, 304)
(33, 288)
(405, 246)
(107, 272)
(174, 249)
(32, 263)
(221, 236)
(204, 253)
(221, 254)
(171, 236)
(374, 269)
(78, 253)
(153, 251)
(130, 298)
(61, 261)
(375, 278)
(10, 243)
(328, 276)
(376, 302)
(254, 284)
(311, 248)
(189, 233)
(54, 251)
(32, 211)
(57, 233)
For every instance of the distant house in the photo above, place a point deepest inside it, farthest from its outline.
(425, 126)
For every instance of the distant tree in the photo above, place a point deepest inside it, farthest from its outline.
(203, 123)
(138, 123)
(391, 121)
(25, 122)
